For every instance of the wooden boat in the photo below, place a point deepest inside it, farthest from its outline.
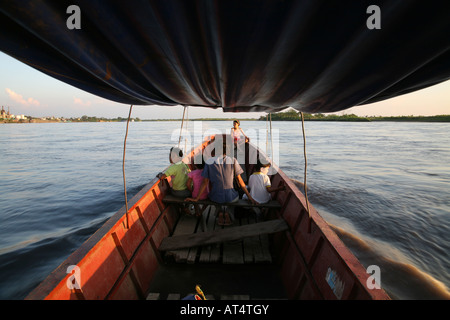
(241, 56)
(124, 263)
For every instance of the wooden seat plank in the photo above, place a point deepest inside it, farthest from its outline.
(186, 226)
(222, 235)
(248, 245)
(210, 253)
(170, 199)
(255, 244)
(263, 253)
(232, 250)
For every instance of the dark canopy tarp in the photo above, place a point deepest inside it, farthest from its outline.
(244, 55)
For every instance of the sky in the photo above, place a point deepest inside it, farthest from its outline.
(29, 92)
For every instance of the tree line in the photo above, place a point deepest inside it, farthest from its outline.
(293, 115)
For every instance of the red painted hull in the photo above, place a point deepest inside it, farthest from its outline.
(120, 263)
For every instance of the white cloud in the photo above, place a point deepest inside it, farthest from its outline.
(20, 99)
(80, 102)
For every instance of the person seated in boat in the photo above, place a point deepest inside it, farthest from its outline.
(220, 171)
(260, 185)
(179, 171)
(194, 183)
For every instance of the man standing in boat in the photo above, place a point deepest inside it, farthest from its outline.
(221, 170)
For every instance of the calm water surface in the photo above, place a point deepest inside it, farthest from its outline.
(384, 187)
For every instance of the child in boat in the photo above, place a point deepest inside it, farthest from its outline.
(260, 185)
(179, 171)
(194, 183)
(238, 140)
(236, 132)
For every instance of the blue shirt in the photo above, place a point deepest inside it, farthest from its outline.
(221, 171)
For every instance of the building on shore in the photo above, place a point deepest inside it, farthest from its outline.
(6, 115)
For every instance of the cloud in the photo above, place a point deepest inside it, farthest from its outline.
(81, 102)
(19, 98)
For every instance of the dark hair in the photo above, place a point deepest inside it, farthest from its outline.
(215, 149)
(174, 153)
(180, 152)
(260, 165)
(199, 162)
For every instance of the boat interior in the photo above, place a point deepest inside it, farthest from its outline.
(154, 250)
(245, 267)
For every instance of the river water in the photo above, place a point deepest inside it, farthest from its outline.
(384, 187)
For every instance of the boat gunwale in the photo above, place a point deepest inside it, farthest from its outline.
(348, 259)
(58, 275)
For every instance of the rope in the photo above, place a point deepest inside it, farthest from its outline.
(186, 130)
(182, 123)
(304, 178)
(267, 133)
(271, 138)
(267, 136)
(123, 167)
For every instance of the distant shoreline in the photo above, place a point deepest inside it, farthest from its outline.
(344, 118)
(284, 116)
(295, 116)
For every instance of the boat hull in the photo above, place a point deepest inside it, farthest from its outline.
(117, 262)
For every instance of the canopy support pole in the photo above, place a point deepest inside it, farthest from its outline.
(269, 120)
(271, 138)
(181, 128)
(267, 133)
(123, 168)
(304, 177)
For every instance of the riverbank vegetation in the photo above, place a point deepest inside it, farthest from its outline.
(293, 115)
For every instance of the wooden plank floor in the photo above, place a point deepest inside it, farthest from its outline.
(177, 296)
(245, 251)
